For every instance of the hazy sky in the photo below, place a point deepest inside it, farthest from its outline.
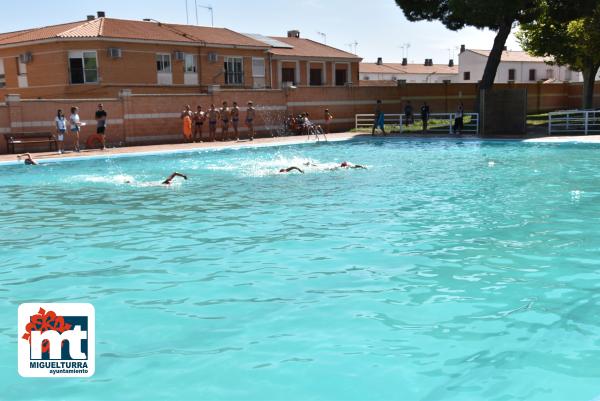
(378, 26)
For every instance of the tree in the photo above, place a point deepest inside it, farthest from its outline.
(498, 15)
(575, 43)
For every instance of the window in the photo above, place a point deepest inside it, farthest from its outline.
(316, 77)
(511, 74)
(288, 75)
(83, 67)
(234, 73)
(191, 63)
(163, 62)
(2, 76)
(366, 78)
(467, 75)
(340, 77)
(532, 76)
(258, 67)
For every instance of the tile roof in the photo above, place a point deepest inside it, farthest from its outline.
(398, 68)
(514, 56)
(309, 48)
(133, 30)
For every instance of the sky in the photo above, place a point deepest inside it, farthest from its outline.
(378, 26)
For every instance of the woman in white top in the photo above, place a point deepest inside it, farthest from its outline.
(75, 125)
(61, 128)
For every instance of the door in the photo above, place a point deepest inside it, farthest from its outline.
(341, 77)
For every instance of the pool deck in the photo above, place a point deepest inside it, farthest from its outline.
(263, 142)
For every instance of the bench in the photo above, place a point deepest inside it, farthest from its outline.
(29, 138)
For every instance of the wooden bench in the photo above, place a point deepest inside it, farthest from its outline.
(29, 138)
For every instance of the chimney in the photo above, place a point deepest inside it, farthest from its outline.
(91, 18)
(451, 63)
(101, 14)
(404, 61)
(293, 34)
(426, 62)
(379, 61)
(463, 48)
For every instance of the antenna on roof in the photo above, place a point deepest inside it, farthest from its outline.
(187, 13)
(353, 45)
(212, 14)
(324, 36)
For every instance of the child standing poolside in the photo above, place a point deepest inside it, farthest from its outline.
(61, 127)
(75, 126)
(235, 120)
(328, 118)
(225, 117)
(213, 117)
(250, 115)
(379, 121)
(186, 117)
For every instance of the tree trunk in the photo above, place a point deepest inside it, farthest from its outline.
(489, 75)
(589, 80)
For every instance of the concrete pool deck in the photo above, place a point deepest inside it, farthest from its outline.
(263, 142)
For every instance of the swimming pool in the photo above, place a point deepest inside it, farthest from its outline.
(447, 270)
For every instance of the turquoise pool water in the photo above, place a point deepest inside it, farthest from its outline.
(447, 270)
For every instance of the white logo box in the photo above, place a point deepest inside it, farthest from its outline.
(81, 364)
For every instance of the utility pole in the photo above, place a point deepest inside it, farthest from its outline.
(212, 15)
(187, 13)
(196, 4)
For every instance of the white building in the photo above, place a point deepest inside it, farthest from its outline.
(379, 72)
(515, 66)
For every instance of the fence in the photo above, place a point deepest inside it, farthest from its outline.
(437, 123)
(574, 122)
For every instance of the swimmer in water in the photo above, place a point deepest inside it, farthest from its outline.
(172, 176)
(290, 169)
(28, 159)
(350, 165)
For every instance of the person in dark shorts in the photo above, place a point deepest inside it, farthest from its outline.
(425, 116)
(379, 121)
(235, 120)
(199, 118)
(250, 115)
(225, 113)
(101, 124)
(459, 119)
(408, 114)
(212, 116)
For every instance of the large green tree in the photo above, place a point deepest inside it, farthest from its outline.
(575, 43)
(498, 15)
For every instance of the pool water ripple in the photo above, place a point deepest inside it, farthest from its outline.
(447, 270)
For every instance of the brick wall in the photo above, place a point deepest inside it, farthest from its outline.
(154, 118)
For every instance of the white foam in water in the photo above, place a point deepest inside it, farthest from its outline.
(266, 167)
(491, 164)
(118, 179)
(576, 195)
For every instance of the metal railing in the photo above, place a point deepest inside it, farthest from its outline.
(574, 122)
(437, 123)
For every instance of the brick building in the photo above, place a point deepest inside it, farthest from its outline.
(101, 56)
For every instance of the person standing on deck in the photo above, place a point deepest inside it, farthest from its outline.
(61, 127)
(250, 116)
(225, 117)
(379, 121)
(408, 114)
(101, 118)
(235, 120)
(328, 117)
(425, 116)
(199, 118)
(459, 119)
(75, 126)
(213, 117)
(186, 116)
